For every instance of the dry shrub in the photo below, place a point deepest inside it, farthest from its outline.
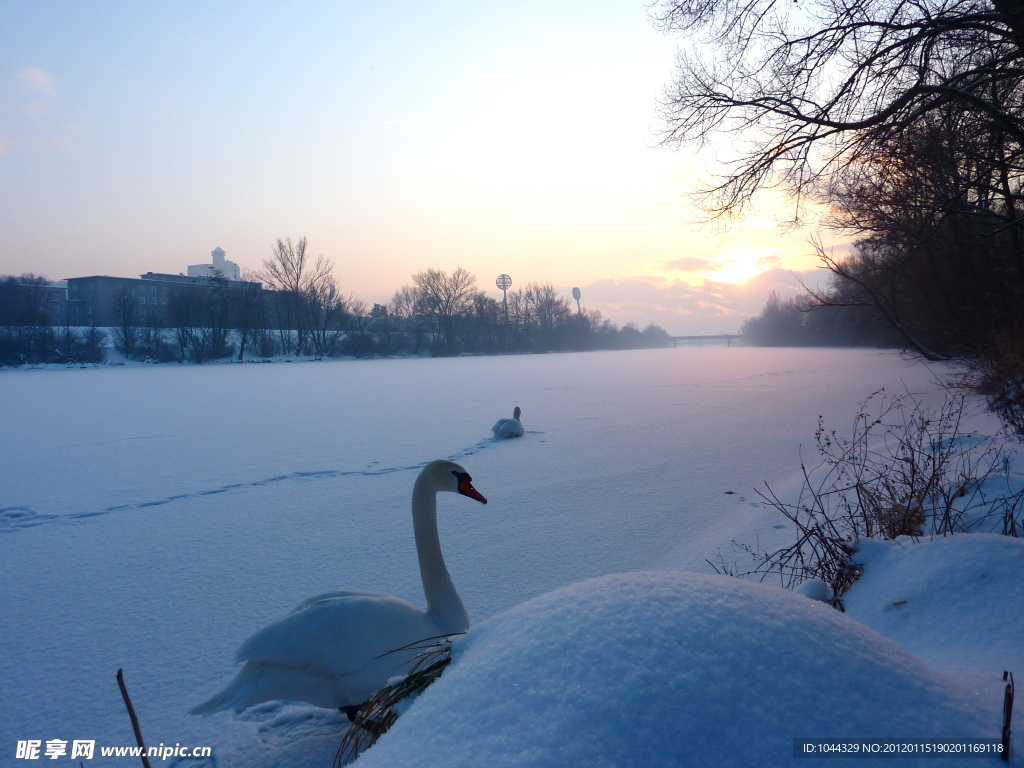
(905, 470)
(381, 710)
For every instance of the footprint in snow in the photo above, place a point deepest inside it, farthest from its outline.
(20, 517)
(282, 724)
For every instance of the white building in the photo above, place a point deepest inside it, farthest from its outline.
(226, 268)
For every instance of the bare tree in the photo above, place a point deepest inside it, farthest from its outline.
(183, 310)
(550, 312)
(306, 292)
(540, 318)
(25, 331)
(249, 311)
(403, 303)
(361, 326)
(409, 329)
(285, 273)
(447, 299)
(199, 318)
(126, 332)
(809, 86)
(218, 316)
(326, 312)
(484, 324)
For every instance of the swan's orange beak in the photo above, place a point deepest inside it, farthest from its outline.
(466, 489)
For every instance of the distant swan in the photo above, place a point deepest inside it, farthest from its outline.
(327, 652)
(509, 427)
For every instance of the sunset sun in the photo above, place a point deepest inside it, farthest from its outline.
(742, 264)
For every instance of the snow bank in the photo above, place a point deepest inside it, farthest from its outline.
(664, 669)
(956, 602)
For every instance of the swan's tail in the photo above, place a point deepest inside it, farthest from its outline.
(239, 692)
(260, 681)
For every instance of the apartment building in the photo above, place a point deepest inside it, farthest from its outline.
(98, 299)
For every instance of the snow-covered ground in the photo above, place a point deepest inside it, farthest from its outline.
(153, 517)
(670, 669)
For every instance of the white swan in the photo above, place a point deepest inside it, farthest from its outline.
(328, 651)
(509, 427)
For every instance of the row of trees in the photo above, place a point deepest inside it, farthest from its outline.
(302, 313)
(446, 314)
(802, 321)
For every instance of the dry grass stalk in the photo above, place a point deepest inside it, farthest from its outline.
(378, 714)
(133, 717)
(1007, 715)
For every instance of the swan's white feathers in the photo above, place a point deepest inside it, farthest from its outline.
(330, 651)
(338, 635)
(509, 427)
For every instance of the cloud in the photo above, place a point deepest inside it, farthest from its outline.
(28, 119)
(39, 80)
(685, 309)
(690, 264)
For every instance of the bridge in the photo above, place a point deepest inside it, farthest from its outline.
(726, 337)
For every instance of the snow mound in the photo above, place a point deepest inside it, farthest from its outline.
(667, 668)
(957, 602)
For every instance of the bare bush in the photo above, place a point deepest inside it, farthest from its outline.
(905, 470)
(379, 712)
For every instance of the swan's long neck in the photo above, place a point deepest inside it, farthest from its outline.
(443, 602)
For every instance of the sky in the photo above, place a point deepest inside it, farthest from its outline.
(516, 138)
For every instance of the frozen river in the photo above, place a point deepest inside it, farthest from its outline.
(153, 517)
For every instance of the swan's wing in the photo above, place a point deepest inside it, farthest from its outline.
(498, 425)
(330, 595)
(338, 635)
